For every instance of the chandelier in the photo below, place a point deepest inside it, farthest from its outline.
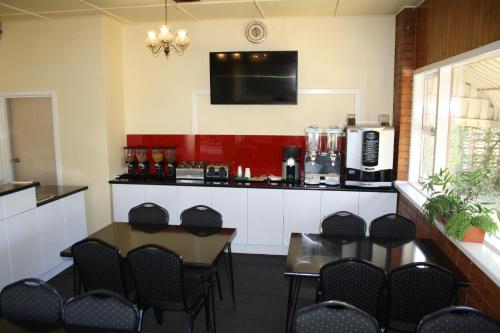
(164, 39)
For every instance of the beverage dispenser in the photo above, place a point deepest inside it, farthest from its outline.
(130, 160)
(142, 160)
(170, 155)
(158, 154)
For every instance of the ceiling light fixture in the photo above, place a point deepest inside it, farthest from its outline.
(164, 39)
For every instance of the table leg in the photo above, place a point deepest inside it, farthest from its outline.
(76, 284)
(293, 295)
(230, 258)
(212, 298)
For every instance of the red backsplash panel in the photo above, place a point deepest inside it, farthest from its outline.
(260, 153)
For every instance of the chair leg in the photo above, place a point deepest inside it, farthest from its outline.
(159, 316)
(218, 284)
(207, 314)
(191, 323)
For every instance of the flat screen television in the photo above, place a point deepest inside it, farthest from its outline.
(264, 77)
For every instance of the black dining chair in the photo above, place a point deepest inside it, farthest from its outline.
(343, 224)
(202, 219)
(333, 316)
(32, 304)
(415, 290)
(148, 213)
(353, 281)
(100, 266)
(101, 311)
(458, 319)
(392, 226)
(161, 284)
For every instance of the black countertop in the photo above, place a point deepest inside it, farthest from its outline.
(258, 185)
(49, 193)
(9, 188)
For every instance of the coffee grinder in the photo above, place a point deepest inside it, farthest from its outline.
(170, 156)
(142, 161)
(290, 166)
(158, 154)
(130, 161)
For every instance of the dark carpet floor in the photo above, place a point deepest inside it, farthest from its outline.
(261, 298)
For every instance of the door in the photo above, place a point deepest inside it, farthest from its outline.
(32, 139)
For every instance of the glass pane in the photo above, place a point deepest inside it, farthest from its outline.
(474, 126)
(427, 161)
(431, 96)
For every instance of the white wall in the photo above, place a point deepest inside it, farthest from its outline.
(351, 52)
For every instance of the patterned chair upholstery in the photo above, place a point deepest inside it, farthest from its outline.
(201, 217)
(333, 316)
(458, 319)
(343, 224)
(99, 265)
(352, 281)
(415, 290)
(392, 226)
(161, 284)
(148, 213)
(32, 304)
(101, 311)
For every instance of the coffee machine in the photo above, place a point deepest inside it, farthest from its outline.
(369, 156)
(323, 157)
(290, 166)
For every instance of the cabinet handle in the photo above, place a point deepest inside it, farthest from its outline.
(15, 160)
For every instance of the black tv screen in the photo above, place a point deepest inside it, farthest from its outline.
(253, 77)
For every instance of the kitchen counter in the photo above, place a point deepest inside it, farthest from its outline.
(46, 194)
(9, 188)
(258, 185)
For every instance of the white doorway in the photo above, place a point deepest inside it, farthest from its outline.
(28, 139)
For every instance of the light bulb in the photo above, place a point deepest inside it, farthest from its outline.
(151, 39)
(165, 34)
(182, 39)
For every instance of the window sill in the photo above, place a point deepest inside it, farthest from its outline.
(485, 256)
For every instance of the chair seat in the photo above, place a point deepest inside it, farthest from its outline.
(400, 326)
(194, 296)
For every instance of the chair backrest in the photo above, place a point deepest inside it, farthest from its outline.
(343, 224)
(333, 316)
(159, 275)
(100, 265)
(458, 319)
(32, 304)
(416, 290)
(352, 281)
(148, 213)
(392, 226)
(101, 311)
(201, 216)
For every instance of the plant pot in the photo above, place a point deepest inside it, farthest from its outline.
(474, 235)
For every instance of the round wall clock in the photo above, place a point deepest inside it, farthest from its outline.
(256, 32)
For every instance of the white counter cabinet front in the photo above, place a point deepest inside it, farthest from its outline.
(264, 218)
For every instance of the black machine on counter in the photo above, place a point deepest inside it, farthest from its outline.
(217, 172)
(369, 156)
(290, 165)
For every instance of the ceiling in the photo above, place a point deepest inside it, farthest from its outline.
(140, 11)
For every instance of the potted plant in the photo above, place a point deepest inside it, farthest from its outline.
(453, 200)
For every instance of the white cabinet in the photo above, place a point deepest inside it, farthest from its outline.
(375, 204)
(126, 197)
(302, 212)
(24, 243)
(335, 201)
(232, 204)
(265, 217)
(75, 218)
(18, 202)
(5, 273)
(164, 196)
(2, 208)
(189, 196)
(52, 233)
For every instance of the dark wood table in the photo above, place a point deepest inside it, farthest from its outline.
(307, 253)
(198, 247)
(8, 327)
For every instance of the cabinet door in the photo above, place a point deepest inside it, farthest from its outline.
(375, 204)
(232, 204)
(24, 244)
(2, 208)
(265, 217)
(335, 201)
(165, 196)
(302, 212)
(52, 233)
(18, 202)
(75, 218)
(5, 272)
(126, 197)
(189, 196)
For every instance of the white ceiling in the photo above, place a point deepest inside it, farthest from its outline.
(140, 11)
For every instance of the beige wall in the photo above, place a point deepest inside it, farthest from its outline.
(66, 56)
(349, 53)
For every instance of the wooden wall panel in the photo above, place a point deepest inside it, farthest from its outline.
(449, 27)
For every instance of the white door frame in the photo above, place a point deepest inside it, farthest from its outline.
(55, 122)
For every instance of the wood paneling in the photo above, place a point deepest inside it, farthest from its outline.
(446, 28)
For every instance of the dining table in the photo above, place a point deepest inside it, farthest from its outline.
(198, 247)
(307, 253)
